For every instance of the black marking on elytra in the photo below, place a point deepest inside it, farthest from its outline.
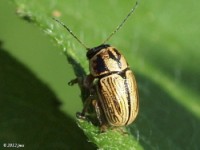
(121, 73)
(117, 59)
(100, 65)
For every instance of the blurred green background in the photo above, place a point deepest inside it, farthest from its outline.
(160, 42)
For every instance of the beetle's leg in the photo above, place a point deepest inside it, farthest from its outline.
(86, 82)
(81, 115)
(100, 116)
(74, 81)
(97, 110)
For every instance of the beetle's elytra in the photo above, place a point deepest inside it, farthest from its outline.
(116, 86)
(112, 85)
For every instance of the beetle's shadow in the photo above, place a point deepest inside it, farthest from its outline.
(79, 72)
(163, 123)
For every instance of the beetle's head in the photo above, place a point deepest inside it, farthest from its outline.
(93, 51)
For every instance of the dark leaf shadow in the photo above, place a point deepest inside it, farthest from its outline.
(162, 123)
(29, 111)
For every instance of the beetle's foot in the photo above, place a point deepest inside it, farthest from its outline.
(72, 82)
(80, 115)
(103, 128)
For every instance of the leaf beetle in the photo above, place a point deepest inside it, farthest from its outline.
(112, 85)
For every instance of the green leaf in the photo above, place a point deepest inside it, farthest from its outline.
(161, 44)
(111, 139)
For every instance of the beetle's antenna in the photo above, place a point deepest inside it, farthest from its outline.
(61, 23)
(122, 23)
